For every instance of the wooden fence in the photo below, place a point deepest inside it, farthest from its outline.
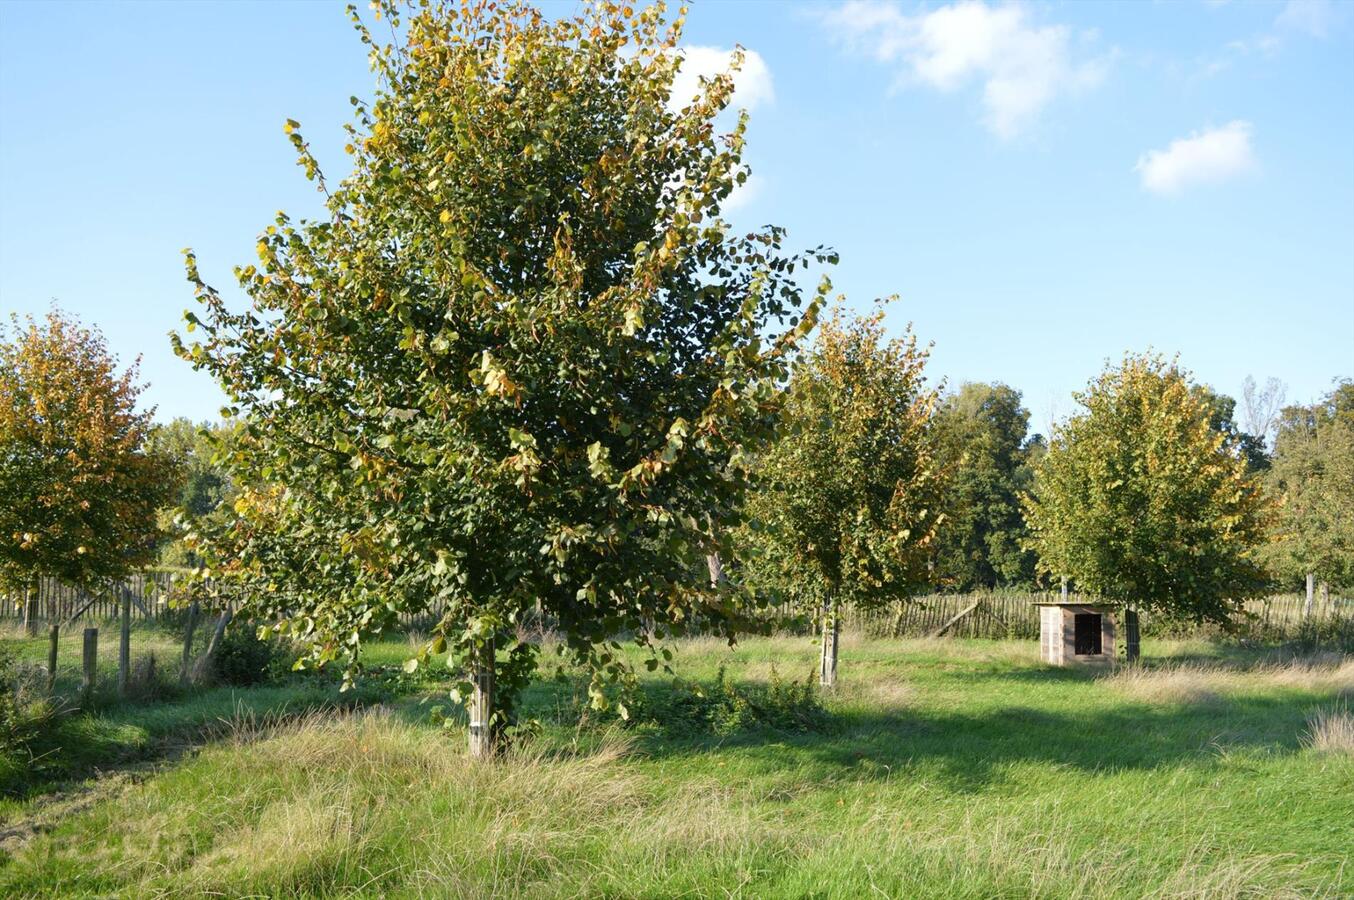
(1003, 614)
(55, 602)
(1014, 615)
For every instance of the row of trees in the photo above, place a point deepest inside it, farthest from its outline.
(522, 365)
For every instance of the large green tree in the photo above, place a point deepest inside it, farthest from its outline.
(1143, 502)
(1313, 474)
(79, 488)
(520, 364)
(849, 497)
(205, 485)
(982, 432)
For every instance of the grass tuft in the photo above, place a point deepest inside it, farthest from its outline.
(1331, 731)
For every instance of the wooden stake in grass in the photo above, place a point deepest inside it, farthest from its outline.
(125, 644)
(91, 663)
(185, 673)
(54, 638)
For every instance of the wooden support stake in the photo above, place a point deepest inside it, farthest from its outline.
(125, 645)
(54, 638)
(185, 673)
(91, 663)
(965, 611)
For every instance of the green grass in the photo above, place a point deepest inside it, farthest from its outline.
(956, 768)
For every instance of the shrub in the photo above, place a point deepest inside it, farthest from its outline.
(726, 707)
(25, 711)
(243, 659)
(9, 708)
(150, 679)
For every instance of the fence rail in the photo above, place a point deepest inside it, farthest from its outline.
(1006, 614)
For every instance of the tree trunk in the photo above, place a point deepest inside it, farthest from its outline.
(483, 734)
(125, 644)
(30, 623)
(1132, 643)
(827, 671)
(1307, 610)
(185, 672)
(716, 567)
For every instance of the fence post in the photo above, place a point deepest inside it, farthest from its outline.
(125, 643)
(54, 637)
(91, 664)
(1307, 610)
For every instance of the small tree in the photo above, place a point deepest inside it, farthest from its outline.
(519, 366)
(1142, 501)
(849, 496)
(78, 489)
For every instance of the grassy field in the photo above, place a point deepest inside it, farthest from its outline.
(939, 768)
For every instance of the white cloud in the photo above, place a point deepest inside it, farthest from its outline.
(751, 84)
(1313, 17)
(1023, 66)
(1208, 156)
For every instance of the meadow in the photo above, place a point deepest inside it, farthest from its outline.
(938, 767)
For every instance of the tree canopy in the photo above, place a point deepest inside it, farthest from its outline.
(849, 496)
(1142, 501)
(522, 361)
(78, 488)
(982, 432)
(1313, 474)
(204, 487)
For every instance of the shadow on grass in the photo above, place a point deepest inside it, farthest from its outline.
(969, 752)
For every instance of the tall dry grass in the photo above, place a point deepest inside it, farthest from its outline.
(1195, 682)
(1331, 731)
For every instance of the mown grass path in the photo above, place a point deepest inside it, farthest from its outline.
(962, 769)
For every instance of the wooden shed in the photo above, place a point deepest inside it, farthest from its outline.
(1076, 633)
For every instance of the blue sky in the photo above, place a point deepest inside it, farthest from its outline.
(1046, 185)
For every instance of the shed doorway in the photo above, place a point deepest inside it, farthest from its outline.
(1086, 638)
